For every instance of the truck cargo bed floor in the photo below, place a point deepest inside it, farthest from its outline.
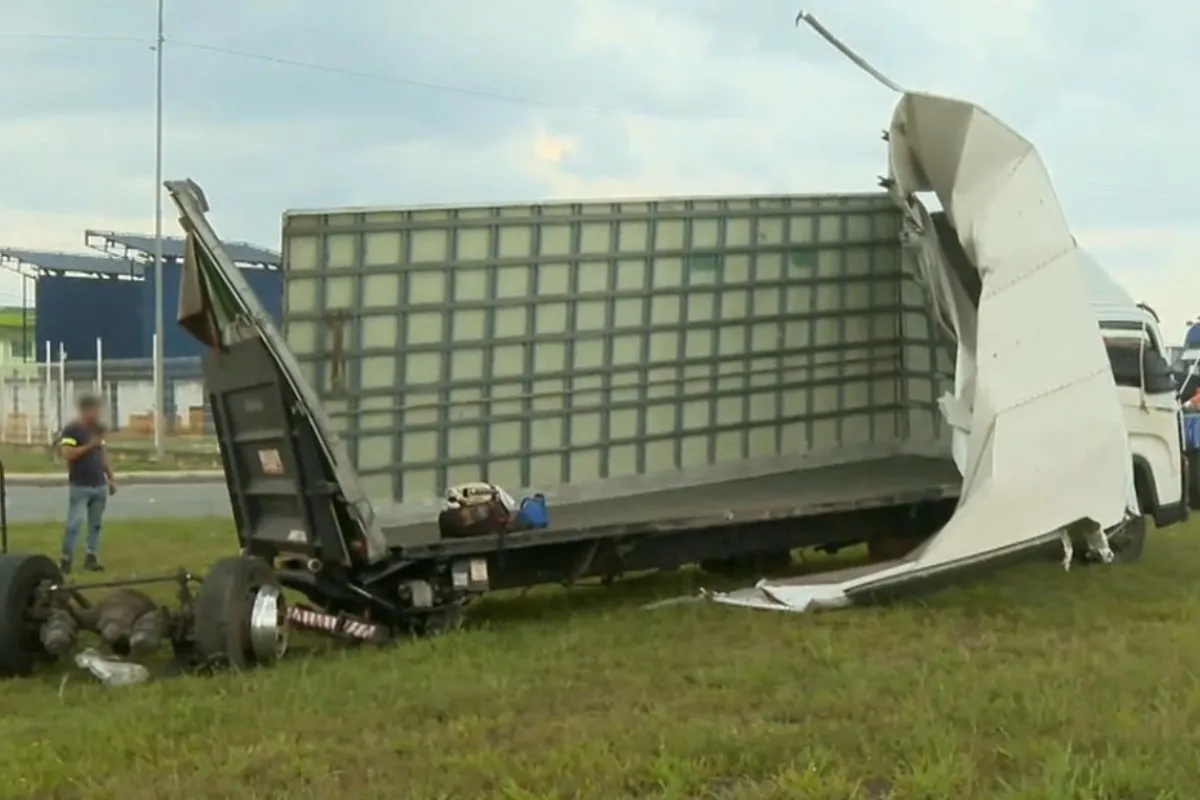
(795, 493)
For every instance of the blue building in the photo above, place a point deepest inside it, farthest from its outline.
(82, 298)
(77, 299)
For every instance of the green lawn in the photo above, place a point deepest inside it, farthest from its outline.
(1034, 684)
(125, 457)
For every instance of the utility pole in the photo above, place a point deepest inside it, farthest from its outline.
(159, 379)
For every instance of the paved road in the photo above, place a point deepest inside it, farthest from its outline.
(174, 500)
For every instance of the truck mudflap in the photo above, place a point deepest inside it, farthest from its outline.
(269, 420)
(1038, 433)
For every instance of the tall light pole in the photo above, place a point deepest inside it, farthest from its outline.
(159, 380)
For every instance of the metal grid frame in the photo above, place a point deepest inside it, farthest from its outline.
(556, 344)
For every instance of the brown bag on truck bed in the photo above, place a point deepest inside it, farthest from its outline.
(474, 509)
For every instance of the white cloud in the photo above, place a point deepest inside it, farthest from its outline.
(551, 149)
(1156, 265)
(979, 28)
(677, 96)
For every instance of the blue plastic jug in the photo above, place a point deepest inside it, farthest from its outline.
(533, 513)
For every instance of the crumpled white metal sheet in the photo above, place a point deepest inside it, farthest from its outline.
(1038, 432)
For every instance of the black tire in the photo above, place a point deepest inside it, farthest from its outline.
(774, 561)
(20, 638)
(722, 566)
(1129, 542)
(767, 562)
(892, 547)
(1193, 466)
(439, 621)
(222, 611)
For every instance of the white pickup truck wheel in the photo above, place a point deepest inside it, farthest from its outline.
(1129, 540)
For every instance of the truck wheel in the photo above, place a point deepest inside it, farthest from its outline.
(1129, 541)
(20, 629)
(722, 566)
(769, 562)
(892, 547)
(440, 621)
(1193, 467)
(240, 615)
(1127, 544)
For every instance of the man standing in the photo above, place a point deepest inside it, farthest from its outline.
(90, 481)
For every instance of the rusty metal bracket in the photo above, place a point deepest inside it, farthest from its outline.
(337, 349)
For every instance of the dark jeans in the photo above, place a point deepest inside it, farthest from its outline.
(85, 504)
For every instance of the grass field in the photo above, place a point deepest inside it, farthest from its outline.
(135, 456)
(1034, 684)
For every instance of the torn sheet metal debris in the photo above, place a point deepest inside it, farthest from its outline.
(111, 671)
(1038, 432)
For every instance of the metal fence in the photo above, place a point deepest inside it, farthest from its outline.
(36, 399)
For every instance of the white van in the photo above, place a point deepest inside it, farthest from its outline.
(1146, 390)
(1189, 352)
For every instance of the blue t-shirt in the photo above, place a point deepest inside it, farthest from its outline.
(88, 469)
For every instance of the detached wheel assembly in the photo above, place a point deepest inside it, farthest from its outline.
(20, 624)
(240, 615)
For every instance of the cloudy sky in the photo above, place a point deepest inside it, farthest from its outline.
(466, 101)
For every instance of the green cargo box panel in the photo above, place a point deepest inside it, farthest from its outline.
(592, 344)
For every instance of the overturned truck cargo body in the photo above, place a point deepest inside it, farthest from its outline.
(683, 380)
(699, 379)
(731, 351)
